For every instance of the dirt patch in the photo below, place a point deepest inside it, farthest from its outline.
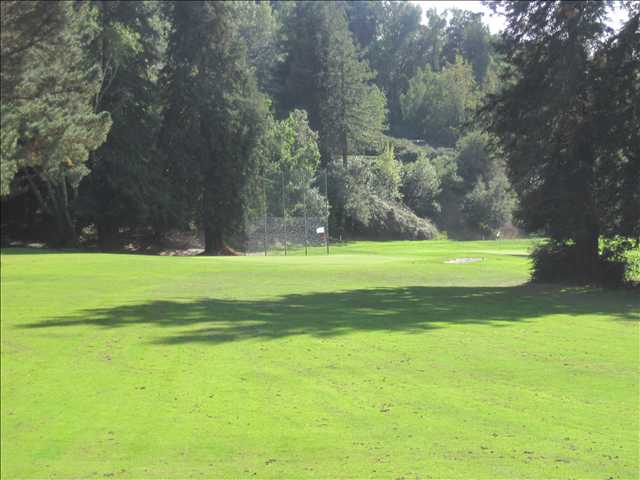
(188, 252)
(225, 251)
(464, 260)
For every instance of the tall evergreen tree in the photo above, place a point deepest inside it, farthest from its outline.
(326, 77)
(48, 120)
(261, 33)
(395, 56)
(214, 115)
(352, 112)
(468, 36)
(303, 65)
(124, 188)
(438, 105)
(617, 131)
(364, 21)
(547, 120)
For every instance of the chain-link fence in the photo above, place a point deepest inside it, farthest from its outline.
(286, 236)
(289, 216)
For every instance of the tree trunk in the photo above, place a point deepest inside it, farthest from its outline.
(65, 231)
(213, 232)
(65, 225)
(345, 149)
(213, 241)
(107, 232)
(57, 207)
(587, 255)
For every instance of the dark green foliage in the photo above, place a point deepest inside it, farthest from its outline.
(421, 187)
(437, 105)
(550, 120)
(326, 77)
(489, 205)
(393, 54)
(555, 261)
(365, 21)
(467, 36)
(474, 159)
(368, 200)
(49, 125)
(188, 86)
(394, 221)
(620, 259)
(409, 151)
(289, 158)
(25, 26)
(617, 129)
(125, 188)
(214, 116)
(261, 33)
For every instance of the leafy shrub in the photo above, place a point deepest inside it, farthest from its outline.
(553, 262)
(391, 220)
(421, 187)
(387, 174)
(366, 200)
(619, 263)
(489, 205)
(620, 259)
(408, 151)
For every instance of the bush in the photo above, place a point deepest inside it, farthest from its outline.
(391, 220)
(620, 259)
(489, 205)
(553, 262)
(408, 151)
(421, 187)
(619, 263)
(366, 200)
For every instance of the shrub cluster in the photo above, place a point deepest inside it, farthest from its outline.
(618, 263)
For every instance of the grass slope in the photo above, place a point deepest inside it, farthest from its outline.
(378, 361)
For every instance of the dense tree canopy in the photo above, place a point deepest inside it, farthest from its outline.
(438, 105)
(142, 118)
(49, 125)
(125, 186)
(215, 113)
(566, 158)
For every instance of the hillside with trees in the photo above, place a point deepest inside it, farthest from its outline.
(126, 120)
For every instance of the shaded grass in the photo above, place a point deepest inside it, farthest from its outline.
(378, 361)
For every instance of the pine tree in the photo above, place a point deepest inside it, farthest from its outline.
(438, 105)
(562, 150)
(260, 31)
(48, 120)
(617, 134)
(214, 115)
(352, 111)
(327, 78)
(125, 188)
(397, 53)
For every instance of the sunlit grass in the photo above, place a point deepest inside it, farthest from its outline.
(378, 361)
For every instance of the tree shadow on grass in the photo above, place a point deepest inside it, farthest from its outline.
(409, 309)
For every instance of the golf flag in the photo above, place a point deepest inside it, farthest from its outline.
(320, 230)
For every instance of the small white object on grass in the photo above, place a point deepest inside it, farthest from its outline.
(464, 260)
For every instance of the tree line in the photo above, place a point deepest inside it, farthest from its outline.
(160, 116)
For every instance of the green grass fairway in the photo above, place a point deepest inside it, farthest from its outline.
(380, 361)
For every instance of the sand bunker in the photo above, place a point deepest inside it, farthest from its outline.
(464, 260)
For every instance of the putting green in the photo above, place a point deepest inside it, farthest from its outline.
(379, 361)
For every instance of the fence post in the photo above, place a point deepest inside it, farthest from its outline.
(284, 215)
(326, 198)
(304, 202)
(264, 199)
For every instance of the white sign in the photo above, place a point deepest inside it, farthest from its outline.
(320, 230)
